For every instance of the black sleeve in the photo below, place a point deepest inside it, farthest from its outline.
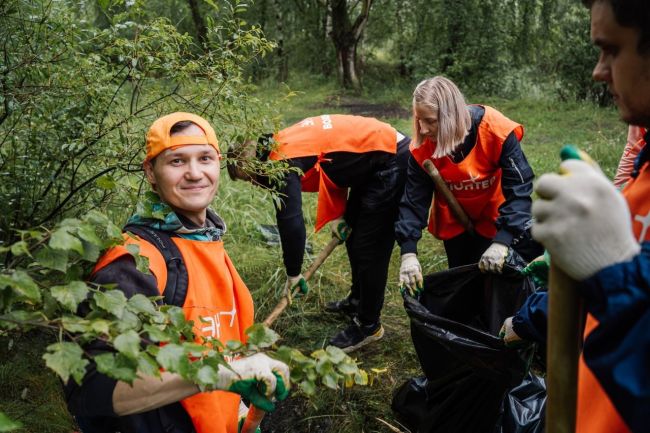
(414, 207)
(291, 224)
(95, 395)
(517, 186)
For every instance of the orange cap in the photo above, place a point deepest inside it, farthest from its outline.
(159, 139)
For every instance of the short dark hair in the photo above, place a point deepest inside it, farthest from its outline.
(180, 126)
(631, 13)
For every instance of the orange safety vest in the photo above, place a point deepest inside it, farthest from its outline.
(219, 304)
(596, 413)
(320, 135)
(475, 181)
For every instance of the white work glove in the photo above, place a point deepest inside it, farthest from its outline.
(296, 285)
(340, 229)
(493, 258)
(582, 220)
(257, 378)
(410, 273)
(508, 334)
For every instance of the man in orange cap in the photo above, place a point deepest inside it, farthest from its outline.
(182, 164)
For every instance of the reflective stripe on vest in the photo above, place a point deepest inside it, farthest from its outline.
(223, 313)
(475, 181)
(320, 135)
(596, 413)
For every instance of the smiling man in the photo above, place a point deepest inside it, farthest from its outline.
(182, 165)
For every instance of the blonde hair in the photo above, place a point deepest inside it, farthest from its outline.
(442, 96)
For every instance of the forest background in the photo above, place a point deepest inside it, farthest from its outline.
(80, 82)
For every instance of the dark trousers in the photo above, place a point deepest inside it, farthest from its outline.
(371, 212)
(466, 248)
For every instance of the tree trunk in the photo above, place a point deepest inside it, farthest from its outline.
(283, 60)
(346, 37)
(199, 23)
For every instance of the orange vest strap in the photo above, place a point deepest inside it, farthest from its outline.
(156, 261)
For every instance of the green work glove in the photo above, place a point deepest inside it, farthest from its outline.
(538, 270)
(257, 378)
(340, 229)
(296, 285)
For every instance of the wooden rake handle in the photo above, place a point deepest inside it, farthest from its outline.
(253, 419)
(455, 207)
(562, 351)
(255, 414)
(284, 302)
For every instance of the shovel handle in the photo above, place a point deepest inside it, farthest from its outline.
(562, 352)
(253, 419)
(282, 304)
(455, 207)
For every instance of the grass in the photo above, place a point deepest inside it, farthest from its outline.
(548, 124)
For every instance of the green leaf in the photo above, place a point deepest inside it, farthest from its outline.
(112, 301)
(147, 365)
(52, 259)
(71, 294)
(347, 368)
(330, 381)
(336, 355)
(156, 334)
(7, 425)
(172, 357)
(62, 240)
(361, 378)
(76, 324)
(141, 262)
(234, 345)
(128, 321)
(66, 359)
(261, 336)
(20, 248)
(139, 303)
(24, 286)
(128, 344)
(113, 231)
(175, 314)
(116, 366)
(87, 232)
(308, 387)
(106, 182)
(22, 319)
(207, 376)
(100, 326)
(96, 219)
(91, 251)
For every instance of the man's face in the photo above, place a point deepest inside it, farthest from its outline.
(626, 72)
(187, 177)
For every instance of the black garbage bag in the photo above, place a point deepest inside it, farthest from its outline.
(468, 370)
(524, 407)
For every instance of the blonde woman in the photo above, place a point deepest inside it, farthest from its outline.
(476, 149)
